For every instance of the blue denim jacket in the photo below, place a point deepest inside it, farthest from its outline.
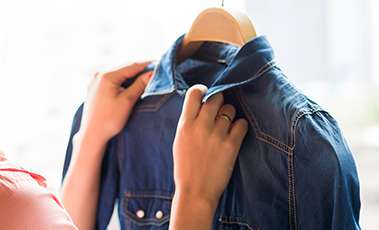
(294, 170)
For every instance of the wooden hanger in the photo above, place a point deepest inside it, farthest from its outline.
(219, 25)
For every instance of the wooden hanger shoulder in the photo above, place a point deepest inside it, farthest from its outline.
(219, 25)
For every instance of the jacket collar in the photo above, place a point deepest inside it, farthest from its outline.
(243, 65)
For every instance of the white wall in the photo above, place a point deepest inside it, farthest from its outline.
(375, 40)
(317, 40)
(349, 39)
(297, 29)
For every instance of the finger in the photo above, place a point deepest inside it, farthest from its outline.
(225, 118)
(118, 76)
(238, 131)
(192, 101)
(135, 90)
(210, 108)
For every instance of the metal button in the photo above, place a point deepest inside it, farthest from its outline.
(140, 214)
(159, 214)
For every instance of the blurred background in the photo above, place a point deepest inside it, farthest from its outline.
(50, 48)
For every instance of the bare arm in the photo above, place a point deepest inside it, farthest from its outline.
(106, 111)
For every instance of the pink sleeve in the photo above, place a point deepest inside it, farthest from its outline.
(26, 204)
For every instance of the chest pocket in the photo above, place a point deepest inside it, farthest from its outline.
(147, 210)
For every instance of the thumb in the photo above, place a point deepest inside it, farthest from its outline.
(135, 90)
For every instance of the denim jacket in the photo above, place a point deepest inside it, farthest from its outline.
(294, 169)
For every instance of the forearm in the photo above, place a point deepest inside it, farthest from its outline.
(81, 186)
(105, 113)
(189, 213)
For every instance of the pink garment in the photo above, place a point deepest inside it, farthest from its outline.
(25, 203)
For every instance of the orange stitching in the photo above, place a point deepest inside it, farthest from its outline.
(237, 222)
(148, 195)
(144, 222)
(259, 134)
(293, 192)
(299, 115)
(264, 67)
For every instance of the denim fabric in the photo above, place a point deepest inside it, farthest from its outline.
(294, 170)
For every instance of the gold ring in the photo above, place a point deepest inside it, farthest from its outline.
(224, 116)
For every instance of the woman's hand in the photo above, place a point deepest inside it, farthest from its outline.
(108, 105)
(105, 113)
(206, 146)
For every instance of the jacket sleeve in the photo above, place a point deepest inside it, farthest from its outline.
(325, 176)
(109, 175)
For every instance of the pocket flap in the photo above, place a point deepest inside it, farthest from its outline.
(147, 208)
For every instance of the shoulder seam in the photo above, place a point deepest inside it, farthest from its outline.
(295, 121)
